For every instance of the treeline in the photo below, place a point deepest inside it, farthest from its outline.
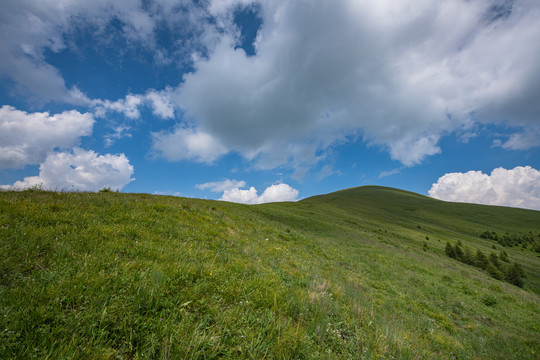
(529, 240)
(498, 266)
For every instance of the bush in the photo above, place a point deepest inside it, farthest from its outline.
(489, 300)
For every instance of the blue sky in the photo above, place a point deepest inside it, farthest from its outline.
(272, 100)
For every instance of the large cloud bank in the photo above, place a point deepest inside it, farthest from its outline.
(518, 187)
(400, 74)
(397, 74)
(232, 192)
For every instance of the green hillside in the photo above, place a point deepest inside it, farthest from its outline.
(360, 273)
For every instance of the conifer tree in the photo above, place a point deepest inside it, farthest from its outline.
(449, 250)
(515, 274)
(494, 259)
(481, 259)
(493, 271)
(503, 256)
(468, 257)
(459, 252)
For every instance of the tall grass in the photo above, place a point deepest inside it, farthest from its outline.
(134, 276)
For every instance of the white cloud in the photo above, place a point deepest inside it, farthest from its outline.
(158, 101)
(27, 138)
(518, 187)
(232, 192)
(273, 193)
(523, 141)
(399, 74)
(128, 106)
(386, 173)
(221, 186)
(161, 103)
(187, 144)
(120, 132)
(79, 170)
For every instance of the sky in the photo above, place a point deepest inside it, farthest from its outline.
(272, 100)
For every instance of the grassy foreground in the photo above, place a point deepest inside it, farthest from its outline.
(357, 274)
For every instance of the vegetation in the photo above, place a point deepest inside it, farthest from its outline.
(513, 273)
(357, 274)
(529, 240)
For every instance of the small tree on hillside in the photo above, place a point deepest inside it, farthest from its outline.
(494, 259)
(481, 259)
(515, 275)
(459, 252)
(468, 257)
(503, 256)
(449, 250)
(493, 271)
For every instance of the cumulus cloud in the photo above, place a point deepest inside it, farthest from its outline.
(187, 144)
(397, 74)
(79, 170)
(27, 138)
(232, 192)
(517, 187)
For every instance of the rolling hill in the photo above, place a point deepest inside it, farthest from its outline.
(359, 273)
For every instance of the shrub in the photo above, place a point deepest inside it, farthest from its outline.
(489, 300)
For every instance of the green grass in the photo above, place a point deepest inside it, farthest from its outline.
(346, 275)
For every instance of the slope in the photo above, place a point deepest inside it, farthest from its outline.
(345, 275)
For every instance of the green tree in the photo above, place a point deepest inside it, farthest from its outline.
(459, 252)
(494, 259)
(449, 250)
(515, 275)
(493, 271)
(503, 256)
(468, 257)
(481, 259)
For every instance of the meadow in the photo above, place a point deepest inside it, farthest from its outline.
(357, 274)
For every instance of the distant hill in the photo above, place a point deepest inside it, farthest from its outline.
(359, 273)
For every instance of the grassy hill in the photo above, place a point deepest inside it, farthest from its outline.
(360, 273)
